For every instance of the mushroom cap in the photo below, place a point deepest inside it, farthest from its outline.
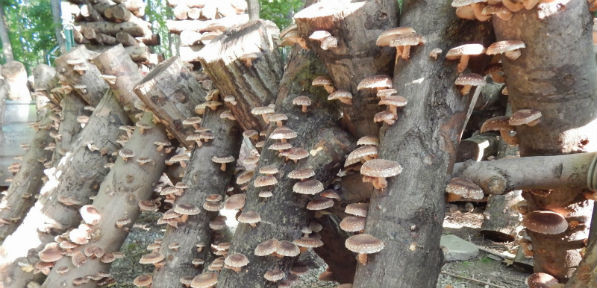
(407, 40)
(308, 242)
(340, 95)
(382, 116)
(90, 215)
(357, 154)
(147, 205)
(387, 92)
(363, 244)
(212, 206)
(126, 153)
(216, 265)
(496, 124)
(387, 36)
(50, 253)
(320, 203)
(264, 181)
(287, 248)
(186, 209)
(397, 101)
(280, 146)
(143, 280)
(461, 3)
(357, 209)
(222, 160)
(353, 223)
(368, 140)
(151, 258)
(319, 35)
(265, 194)
(381, 168)
(244, 177)
(464, 188)
(301, 173)
(331, 194)
(235, 202)
(299, 269)
(321, 81)
(277, 117)
(471, 79)
(308, 187)
(524, 116)
(375, 82)
(266, 247)
(236, 260)
(466, 49)
(274, 275)
(262, 110)
(180, 157)
(218, 223)
(282, 133)
(191, 121)
(541, 280)
(302, 100)
(168, 190)
(296, 153)
(271, 169)
(545, 222)
(249, 217)
(315, 226)
(205, 280)
(504, 46)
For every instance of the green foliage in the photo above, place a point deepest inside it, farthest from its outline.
(279, 11)
(31, 29)
(157, 12)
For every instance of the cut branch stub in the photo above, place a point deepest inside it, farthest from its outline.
(171, 92)
(225, 60)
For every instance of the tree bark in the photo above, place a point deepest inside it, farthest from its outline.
(501, 218)
(95, 86)
(554, 77)
(171, 92)
(58, 24)
(253, 9)
(221, 24)
(118, 197)
(477, 147)
(253, 83)
(135, 27)
(408, 214)
(283, 215)
(203, 178)
(27, 182)
(356, 27)
(77, 177)
(15, 75)
(72, 107)
(6, 46)
(586, 274)
(44, 78)
(126, 39)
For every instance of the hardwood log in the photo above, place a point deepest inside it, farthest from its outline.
(44, 78)
(75, 179)
(142, 54)
(15, 75)
(135, 27)
(477, 147)
(502, 222)
(189, 38)
(407, 216)
(126, 39)
(586, 274)
(221, 24)
(127, 183)
(137, 7)
(284, 214)
(356, 26)
(246, 64)
(72, 107)
(171, 92)
(90, 77)
(558, 81)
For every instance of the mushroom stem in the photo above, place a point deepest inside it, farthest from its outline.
(362, 258)
(405, 52)
(465, 89)
(304, 108)
(463, 63)
(513, 55)
(264, 116)
(183, 164)
(223, 167)
(394, 110)
(509, 139)
(329, 88)
(279, 123)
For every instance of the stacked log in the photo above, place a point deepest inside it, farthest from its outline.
(198, 22)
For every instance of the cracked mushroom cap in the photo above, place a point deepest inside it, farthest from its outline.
(504, 46)
(331, 194)
(322, 81)
(296, 153)
(407, 40)
(287, 249)
(466, 49)
(249, 217)
(90, 215)
(308, 187)
(368, 140)
(320, 203)
(353, 223)
(541, 280)
(301, 173)
(308, 242)
(357, 209)
(264, 181)
(205, 280)
(356, 155)
(387, 36)
(50, 253)
(545, 222)
(222, 160)
(363, 244)
(524, 117)
(375, 82)
(271, 169)
(267, 247)
(341, 95)
(302, 101)
(470, 79)
(282, 133)
(280, 146)
(381, 168)
(262, 110)
(235, 202)
(126, 153)
(151, 258)
(144, 280)
(236, 260)
(277, 117)
(274, 275)
(244, 177)
(397, 101)
(464, 188)
(186, 209)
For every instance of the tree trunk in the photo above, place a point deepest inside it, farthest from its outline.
(172, 92)
(283, 215)
(408, 214)
(77, 177)
(586, 274)
(95, 86)
(44, 78)
(126, 39)
(126, 184)
(6, 46)
(72, 107)
(501, 218)
(15, 75)
(253, 9)
(554, 77)
(58, 24)
(356, 27)
(253, 83)
(203, 178)
(27, 182)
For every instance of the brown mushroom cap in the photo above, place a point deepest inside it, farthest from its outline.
(496, 124)
(276, 117)
(264, 181)
(464, 188)
(186, 209)
(235, 202)
(397, 101)
(151, 258)
(222, 160)
(368, 140)
(331, 194)
(466, 49)
(301, 173)
(375, 82)
(342, 96)
(218, 223)
(90, 215)
(308, 242)
(249, 217)
(381, 168)
(244, 177)
(387, 36)
(212, 206)
(470, 79)
(357, 209)
(363, 244)
(287, 248)
(360, 153)
(50, 253)
(525, 117)
(545, 222)
(384, 116)
(321, 81)
(296, 153)
(265, 194)
(267, 247)
(541, 280)
(353, 223)
(236, 260)
(280, 146)
(143, 280)
(205, 280)
(282, 133)
(271, 169)
(320, 203)
(308, 187)
(262, 110)
(504, 46)
(406, 40)
(274, 275)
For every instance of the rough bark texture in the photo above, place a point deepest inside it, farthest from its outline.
(135, 27)
(501, 218)
(254, 83)
(340, 260)
(72, 107)
(283, 215)
(586, 274)
(27, 182)
(77, 177)
(44, 77)
(171, 92)
(554, 77)
(203, 178)
(408, 215)
(15, 75)
(118, 197)
(356, 26)
(95, 86)
(477, 147)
